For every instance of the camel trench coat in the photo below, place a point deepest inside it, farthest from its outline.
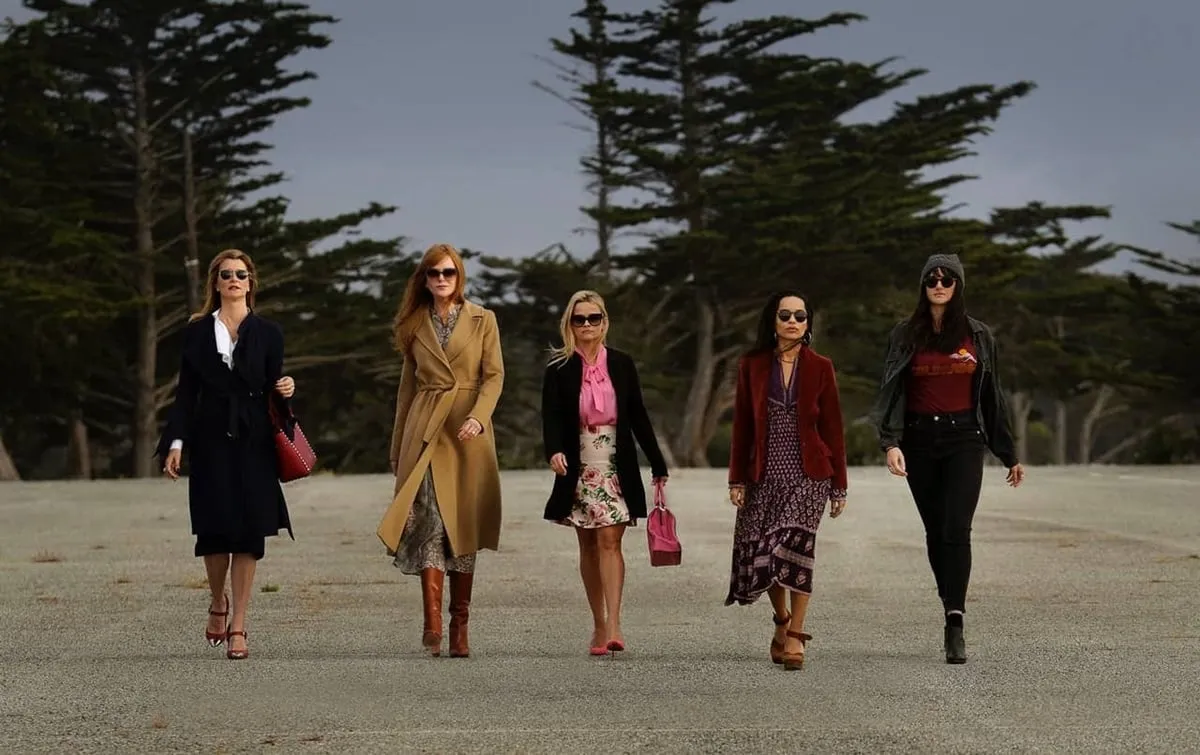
(439, 390)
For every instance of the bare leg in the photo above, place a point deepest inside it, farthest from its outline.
(589, 570)
(242, 573)
(612, 575)
(217, 566)
(799, 609)
(779, 604)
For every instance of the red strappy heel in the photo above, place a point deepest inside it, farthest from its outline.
(237, 655)
(216, 638)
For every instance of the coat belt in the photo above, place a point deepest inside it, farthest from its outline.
(238, 412)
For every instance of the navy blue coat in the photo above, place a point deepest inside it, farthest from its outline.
(222, 417)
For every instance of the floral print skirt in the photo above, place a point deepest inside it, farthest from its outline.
(598, 499)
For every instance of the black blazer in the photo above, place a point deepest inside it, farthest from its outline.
(561, 385)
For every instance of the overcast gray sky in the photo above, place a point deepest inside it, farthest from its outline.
(427, 104)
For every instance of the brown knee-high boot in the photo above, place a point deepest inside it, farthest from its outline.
(460, 605)
(432, 581)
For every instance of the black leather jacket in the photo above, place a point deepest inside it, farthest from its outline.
(991, 406)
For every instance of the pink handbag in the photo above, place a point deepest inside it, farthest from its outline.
(665, 549)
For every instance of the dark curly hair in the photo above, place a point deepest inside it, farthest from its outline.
(765, 339)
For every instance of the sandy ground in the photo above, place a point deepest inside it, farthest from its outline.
(1082, 627)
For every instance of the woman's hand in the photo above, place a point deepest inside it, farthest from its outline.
(895, 462)
(737, 496)
(171, 465)
(1016, 474)
(470, 429)
(285, 386)
(558, 462)
(836, 507)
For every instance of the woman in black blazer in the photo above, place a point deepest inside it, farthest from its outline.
(592, 410)
(230, 373)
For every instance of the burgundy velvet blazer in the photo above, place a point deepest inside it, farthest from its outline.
(818, 409)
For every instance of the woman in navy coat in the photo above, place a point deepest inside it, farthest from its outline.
(229, 376)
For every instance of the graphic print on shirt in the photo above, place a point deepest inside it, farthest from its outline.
(961, 362)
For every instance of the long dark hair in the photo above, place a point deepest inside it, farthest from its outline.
(919, 332)
(765, 340)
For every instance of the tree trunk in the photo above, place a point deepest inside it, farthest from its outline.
(1060, 432)
(145, 419)
(720, 402)
(1136, 439)
(1022, 405)
(79, 449)
(690, 447)
(1091, 421)
(191, 263)
(668, 453)
(8, 468)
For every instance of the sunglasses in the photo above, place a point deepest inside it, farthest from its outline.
(449, 273)
(786, 314)
(580, 320)
(227, 275)
(944, 282)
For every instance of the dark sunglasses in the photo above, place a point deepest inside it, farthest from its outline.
(786, 314)
(945, 281)
(580, 320)
(229, 274)
(449, 273)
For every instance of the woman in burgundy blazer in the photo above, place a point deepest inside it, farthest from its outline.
(787, 460)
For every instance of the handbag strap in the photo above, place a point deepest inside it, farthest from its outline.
(276, 420)
(660, 494)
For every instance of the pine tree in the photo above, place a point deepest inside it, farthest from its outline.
(741, 161)
(206, 75)
(57, 276)
(588, 69)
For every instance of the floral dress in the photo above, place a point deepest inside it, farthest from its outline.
(424, 544)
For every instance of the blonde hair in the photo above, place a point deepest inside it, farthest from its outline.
(417, 296)
(567, 350)
(211, 299)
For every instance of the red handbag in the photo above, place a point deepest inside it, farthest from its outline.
(665, 549)
(296, 456)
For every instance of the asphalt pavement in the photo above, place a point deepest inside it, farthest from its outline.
(1082, 629)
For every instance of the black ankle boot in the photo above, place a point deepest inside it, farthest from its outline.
(956, 646)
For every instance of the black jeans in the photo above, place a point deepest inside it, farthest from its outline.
(943, 454)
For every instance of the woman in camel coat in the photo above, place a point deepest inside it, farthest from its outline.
(446, 502)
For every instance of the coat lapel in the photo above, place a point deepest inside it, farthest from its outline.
(203, 352)
(810, 382)
(760, 382)
(245, 352)
(470, 319)
(427, 336)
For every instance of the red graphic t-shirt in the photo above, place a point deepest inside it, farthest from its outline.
(942, 383)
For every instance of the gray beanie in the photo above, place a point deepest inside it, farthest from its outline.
(947, 262)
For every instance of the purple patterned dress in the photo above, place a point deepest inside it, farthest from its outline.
(776, 530)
